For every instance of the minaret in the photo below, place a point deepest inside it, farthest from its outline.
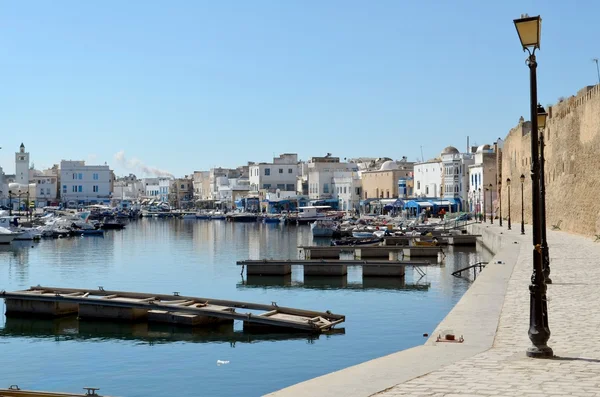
(22, 166)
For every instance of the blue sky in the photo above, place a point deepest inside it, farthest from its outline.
(188, 85)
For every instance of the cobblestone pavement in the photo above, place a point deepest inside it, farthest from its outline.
(574, 320)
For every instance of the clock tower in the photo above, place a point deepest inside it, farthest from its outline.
(22, 166)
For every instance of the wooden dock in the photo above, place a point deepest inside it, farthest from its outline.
(15, 391)
(328, 267)
(366, 252)
(171, 309)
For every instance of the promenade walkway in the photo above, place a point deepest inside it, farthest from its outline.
(574, 320)
(493, 316)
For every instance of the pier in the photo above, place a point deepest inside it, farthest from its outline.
(171, 309)
(328, 267)
(16, 391)
(366, 252)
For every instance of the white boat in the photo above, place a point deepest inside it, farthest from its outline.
(189, 216)
(324, 228)
(312, 213)
(10, 223)
(218, 215)
(6, 236)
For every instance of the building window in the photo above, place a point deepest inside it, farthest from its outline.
(387, 194)
(281, 186)
(344, 189)
(74, 189)
(325, 188)
(80, 189)
(80, 176)
(95, 188)
(183, 186)
(74, 176)
(266, 186)
(48, 190)
(427, 190)
(289, 171)
(281, 170)
(95, 177)
(290, 187)
(419, 185)
(64, 189)
(267, 171)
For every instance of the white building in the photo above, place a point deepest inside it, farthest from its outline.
(157, 188)
(428, 178)
(321, 171)
(481, 174)
(85, 184)
(281, 174)
(43, 187)
(3, 188)
(347, 189)
(128, 188)
(231, 189)
(456, 174)
(22, 166)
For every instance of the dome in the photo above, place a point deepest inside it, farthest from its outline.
(483, 148)
(450, 150)
(388, 166)
(15, 187)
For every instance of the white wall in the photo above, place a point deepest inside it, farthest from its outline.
(280, 176)
(320, 178)
(87, 183)
(427, 179)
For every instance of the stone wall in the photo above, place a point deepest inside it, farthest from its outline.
(572, 165)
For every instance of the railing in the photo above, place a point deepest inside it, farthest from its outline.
(475, 266)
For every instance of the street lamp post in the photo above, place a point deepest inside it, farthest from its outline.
(542, 116)
(483, 206)
(10, 202)
(508, 185)
(522, 178)
(491, 205)
(499, 190)
(529, 29)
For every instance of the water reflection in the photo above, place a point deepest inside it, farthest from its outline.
(70, 328)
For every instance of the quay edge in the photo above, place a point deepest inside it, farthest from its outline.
(475, 317)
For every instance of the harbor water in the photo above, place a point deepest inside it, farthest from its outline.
(198, 258)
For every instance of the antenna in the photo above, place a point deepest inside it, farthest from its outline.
(422, 158)
(597, 68)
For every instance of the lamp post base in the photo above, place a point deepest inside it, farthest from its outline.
(540, 352)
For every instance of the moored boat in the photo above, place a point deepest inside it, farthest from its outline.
(324, 228)
(6, 236)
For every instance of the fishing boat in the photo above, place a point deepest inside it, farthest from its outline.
(357, 241)
(312, 213)
(362, 234)
(218, 215)
(324, 228)
(242, 217)
(271, 219)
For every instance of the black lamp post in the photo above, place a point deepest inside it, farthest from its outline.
(491, 205)
(508, 185)
(483, 206)
(10, 202)
(522, 206)
(542, 116)
(529, 29)
(499, 190)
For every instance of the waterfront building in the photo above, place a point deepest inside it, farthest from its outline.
(201, 183)
(455, 168)
(128, 188)
(383, 182)
(85, 184)
(281, 174)
(302, 179)
(230, 190)
(482, 173)
(347, 188)
(43, 186)
(181, 192)
(428, 178)
(22, 166)
(215, 174)
(321, 171)
(3, 188)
